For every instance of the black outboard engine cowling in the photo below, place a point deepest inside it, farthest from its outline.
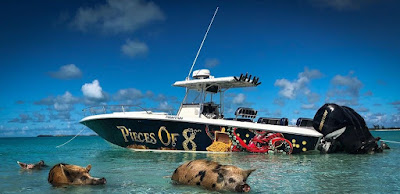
(343, 129)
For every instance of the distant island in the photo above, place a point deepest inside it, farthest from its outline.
(64, 135)
(381, 127)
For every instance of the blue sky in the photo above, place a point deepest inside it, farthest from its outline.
(58, 57)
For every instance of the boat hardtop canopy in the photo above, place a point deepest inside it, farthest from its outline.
(221, 83)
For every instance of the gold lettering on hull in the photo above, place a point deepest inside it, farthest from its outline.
(189, 139)
(171, 138)
(164, 136)
(137, 136)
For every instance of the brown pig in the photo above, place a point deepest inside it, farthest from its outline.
(37, 166)
(66, 174)
(212, 175)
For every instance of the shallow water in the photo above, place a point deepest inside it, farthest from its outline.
(128, 171)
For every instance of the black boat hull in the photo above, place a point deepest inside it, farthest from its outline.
(180, 136)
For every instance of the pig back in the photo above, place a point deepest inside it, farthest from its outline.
(57, 176)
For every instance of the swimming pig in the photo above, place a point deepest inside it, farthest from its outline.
(38, 165)
(66, 174)
(212, 176)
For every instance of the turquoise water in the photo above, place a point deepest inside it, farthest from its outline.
(145, 172)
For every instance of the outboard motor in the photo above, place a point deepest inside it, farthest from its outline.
(343, 129)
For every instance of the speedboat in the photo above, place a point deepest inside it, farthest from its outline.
(200, 124)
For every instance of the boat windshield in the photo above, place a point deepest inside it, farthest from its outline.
(194, 96)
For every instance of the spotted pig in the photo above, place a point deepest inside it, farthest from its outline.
(212, 175)
(66, 174)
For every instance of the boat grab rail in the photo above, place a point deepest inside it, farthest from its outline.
(103, 109)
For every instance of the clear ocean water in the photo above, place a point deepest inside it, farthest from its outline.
(128, 171)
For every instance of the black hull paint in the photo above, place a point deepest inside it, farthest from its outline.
(174, 135)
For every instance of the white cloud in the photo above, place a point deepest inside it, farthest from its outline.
(293, 121)
(287, 88)
(67, 72)
(23, 118)
(309, 106)
(129, 96)
(239, 99)
(292, 89)
(117, 16)
(134, 48)
(345, 90)
(62, 105)
(211, 63)
(164, 106)
(93, 90)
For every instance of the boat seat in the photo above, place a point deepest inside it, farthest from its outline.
(210, 110)
(273, 121)
(304, 122)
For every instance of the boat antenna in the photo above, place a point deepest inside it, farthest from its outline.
(202, 42)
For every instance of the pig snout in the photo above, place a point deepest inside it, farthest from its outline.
(100, 181)
(243, 188)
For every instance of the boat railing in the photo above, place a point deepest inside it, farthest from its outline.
(104, 109)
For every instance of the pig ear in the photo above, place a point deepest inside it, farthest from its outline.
(88, 168)
(64, 170)
(246, 173)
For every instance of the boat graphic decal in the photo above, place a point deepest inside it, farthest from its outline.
(262, 142)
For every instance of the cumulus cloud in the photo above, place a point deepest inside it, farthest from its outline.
(345, 90)
(39, 117)
(117, 16)
(376, 118)
(59, 106)
(239, 99)
(129, 96)
(299, 87)
(67, 72)
(165, 107)
(211, 63)
(134, 48)
(93, 90)
(22, 118)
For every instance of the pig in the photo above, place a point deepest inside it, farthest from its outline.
(212, 176)
(36, 166)
(66, 174)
